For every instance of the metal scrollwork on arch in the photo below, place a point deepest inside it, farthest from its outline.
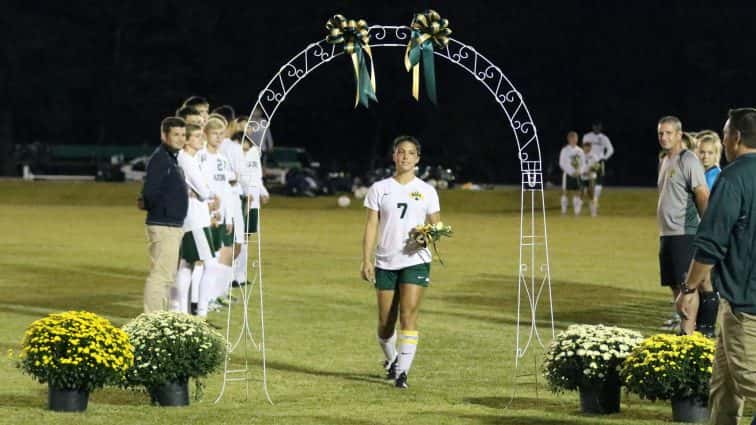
(481, 68)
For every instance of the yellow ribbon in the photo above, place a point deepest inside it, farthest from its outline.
(428, 29)
(356, 39)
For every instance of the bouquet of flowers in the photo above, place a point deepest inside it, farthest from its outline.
(425, 234)
(75, 350)
(667, 366)
(172, 347)
(586, 355)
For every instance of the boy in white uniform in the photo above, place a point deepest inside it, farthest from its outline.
(196, 246)
(397, 205)
(215, 167)
(602, 147)
(591, 168)
(571, 160)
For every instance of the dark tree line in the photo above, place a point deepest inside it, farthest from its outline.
(106, 72)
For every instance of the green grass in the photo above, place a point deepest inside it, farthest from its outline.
(82, 246)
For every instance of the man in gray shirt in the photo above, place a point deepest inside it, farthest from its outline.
(683, 195)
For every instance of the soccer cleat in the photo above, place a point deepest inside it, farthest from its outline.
(671, 324)
(401, 381)
(390, 367)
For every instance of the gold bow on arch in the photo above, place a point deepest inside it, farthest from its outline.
(356, 40)
(428, 29)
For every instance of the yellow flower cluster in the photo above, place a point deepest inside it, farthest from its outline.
(75, 345)
(666, 366)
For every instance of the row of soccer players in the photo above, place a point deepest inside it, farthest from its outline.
(223, 176)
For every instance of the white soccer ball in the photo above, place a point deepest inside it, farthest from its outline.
(343, 201)
(360, 192)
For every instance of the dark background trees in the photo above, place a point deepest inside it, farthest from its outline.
(106, 72)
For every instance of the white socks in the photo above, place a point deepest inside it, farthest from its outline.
(197, 272)
(207, 285)
(577, 204)
(240, 265)
(180, 289)
(388, 346)
(407, 348)
(565, 203)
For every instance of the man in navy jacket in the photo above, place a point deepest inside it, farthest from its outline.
(165, 197)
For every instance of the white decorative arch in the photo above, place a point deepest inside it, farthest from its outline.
(534, 276)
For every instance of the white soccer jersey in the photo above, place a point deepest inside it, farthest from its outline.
(400, 208)
(589, 171)
(235, 156)
(215, 168)
(251, 176)
(601, 146)
(571, 160)
(197, 214)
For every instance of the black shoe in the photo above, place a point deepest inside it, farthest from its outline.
(401, 381)
(391, 368)
(235, 284)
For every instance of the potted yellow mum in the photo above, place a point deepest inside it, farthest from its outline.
(74, 353)
(673, 367)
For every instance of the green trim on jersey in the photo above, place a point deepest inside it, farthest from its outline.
(388, 280)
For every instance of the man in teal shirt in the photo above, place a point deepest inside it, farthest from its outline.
(726, 248)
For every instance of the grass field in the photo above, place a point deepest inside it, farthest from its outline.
(82, 246)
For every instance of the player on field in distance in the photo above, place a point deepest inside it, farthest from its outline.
(601, 147)
(571, 161)
(710, 153)
(588, 177)
(398, 267)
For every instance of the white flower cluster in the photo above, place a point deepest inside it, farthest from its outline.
(588, 350)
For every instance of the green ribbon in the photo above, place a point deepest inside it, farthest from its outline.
(428, 29)
(356, 40)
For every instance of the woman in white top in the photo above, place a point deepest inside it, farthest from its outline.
(399, 268)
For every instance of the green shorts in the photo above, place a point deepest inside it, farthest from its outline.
(388, 280)
(251, 218)
(222, 238)
(197, 245)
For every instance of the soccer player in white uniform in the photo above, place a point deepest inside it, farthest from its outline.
(401, 269)
(253, 194)
(571, 160)
(215, 167)
(602, 147)
(588, 177)
(196, 245)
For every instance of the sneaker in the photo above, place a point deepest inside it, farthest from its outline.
(401, 381)
(671, 324)
(390, 367)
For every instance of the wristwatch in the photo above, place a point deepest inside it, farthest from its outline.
(686, 290)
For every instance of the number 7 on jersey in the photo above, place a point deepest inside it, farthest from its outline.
(403, 206)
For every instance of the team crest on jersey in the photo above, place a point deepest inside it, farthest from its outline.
(416, 196)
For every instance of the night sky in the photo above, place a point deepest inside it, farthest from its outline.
(107, 72)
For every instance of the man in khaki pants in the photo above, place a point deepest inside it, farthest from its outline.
(165, 197)
(725, 248)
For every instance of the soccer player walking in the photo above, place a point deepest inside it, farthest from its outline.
(399, 269)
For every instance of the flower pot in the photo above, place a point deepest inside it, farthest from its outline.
(602, 398)
(61, 400)
(171, 394)
(689, 409)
